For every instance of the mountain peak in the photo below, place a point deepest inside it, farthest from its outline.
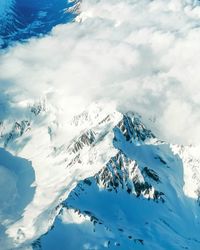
(112, 167)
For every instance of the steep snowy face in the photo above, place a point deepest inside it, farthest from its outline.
(137, 200)
(114, 183)
(58, 167)
(191, 161)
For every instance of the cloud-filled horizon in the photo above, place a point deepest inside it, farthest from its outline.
(142, 55)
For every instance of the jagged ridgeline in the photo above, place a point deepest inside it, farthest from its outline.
(136, 191)
(115, 184)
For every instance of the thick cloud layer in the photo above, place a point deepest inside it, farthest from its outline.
(144, 55)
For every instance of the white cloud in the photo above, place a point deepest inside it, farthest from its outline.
(144, 55)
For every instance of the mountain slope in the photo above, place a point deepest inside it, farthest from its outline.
(113, 185)
(137, 200)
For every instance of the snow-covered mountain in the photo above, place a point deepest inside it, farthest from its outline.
(111, 185)
(23, 19)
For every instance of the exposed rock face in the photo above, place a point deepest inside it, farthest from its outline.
(121, 172)
(133, 129)
(109, 184)
(18, 129)
(85, 139)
